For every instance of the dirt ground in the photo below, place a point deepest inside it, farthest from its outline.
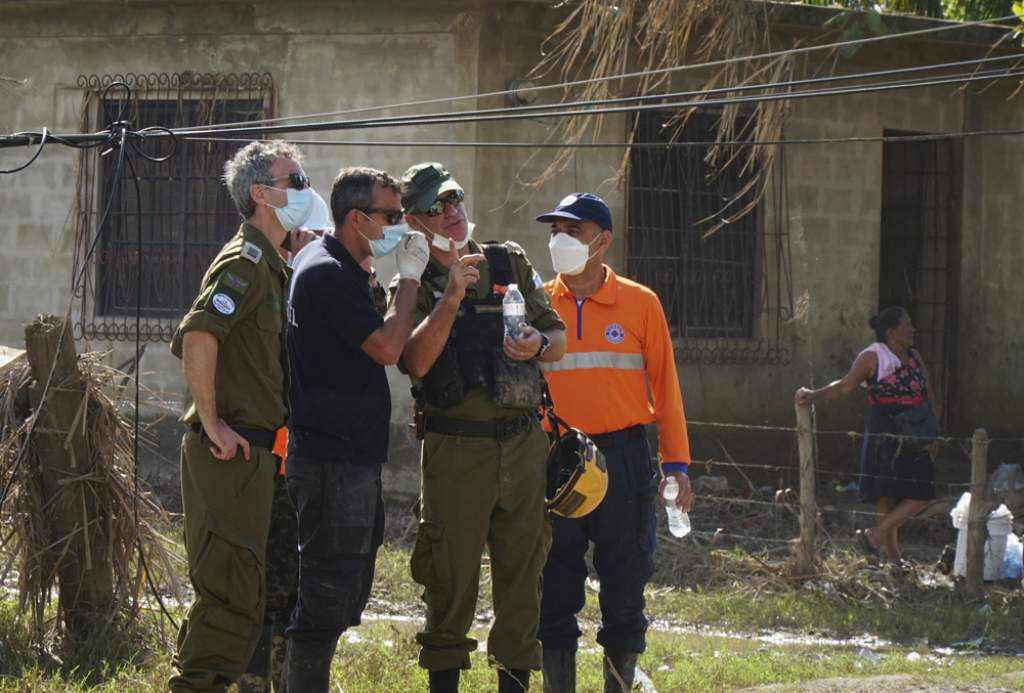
(896, 683)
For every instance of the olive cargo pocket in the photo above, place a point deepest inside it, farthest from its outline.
(228, 577)
(429, 566)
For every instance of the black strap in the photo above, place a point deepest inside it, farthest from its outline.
(499, 430)
(499, 263)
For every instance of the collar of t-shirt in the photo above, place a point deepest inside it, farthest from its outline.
(336, 250)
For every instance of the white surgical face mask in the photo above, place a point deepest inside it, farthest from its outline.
(386, 244)
(568, 255)
(297, 210)
(441, 242)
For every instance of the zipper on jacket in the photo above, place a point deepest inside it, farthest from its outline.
(579, 318)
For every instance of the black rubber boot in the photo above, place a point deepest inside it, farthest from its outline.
(256, 678)
(308, 665)
(619, 668)
(513, 680)
(444, 681)
(559, 671)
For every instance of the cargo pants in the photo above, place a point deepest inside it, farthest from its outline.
(227, 508)
(476, 493)
(266, 668)
(623, 530)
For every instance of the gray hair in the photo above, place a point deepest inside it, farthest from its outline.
(251, 165)
(353, 189)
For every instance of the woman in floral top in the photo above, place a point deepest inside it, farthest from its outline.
(897, 477)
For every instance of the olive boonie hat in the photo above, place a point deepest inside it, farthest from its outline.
(423, 183)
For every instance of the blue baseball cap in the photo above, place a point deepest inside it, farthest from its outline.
(581, 206)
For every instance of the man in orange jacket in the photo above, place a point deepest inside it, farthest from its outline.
(618, 374)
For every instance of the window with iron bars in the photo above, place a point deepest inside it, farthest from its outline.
(706, 282)
(184, 209)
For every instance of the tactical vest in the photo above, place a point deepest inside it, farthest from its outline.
(473, 357)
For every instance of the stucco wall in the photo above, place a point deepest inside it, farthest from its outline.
(324, 58)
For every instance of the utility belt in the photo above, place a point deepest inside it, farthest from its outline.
(256, 436)
(615, 439)
(502, 429)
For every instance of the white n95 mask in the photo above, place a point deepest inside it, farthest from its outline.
(568, 255)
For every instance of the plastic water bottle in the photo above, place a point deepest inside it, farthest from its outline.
(513, 310)
(678, 521)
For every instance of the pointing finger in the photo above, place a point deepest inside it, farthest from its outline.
(471, 259)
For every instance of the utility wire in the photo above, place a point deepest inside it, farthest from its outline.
(574, 109)
(477, 117)
(633, 145)
(697, 93)
(631, 75)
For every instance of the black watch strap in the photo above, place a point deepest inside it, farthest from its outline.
(544, 344)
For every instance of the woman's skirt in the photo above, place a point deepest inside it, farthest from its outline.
(888, 469)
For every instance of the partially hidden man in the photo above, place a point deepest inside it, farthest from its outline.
(618, 374)
(232, 346)
(341, 411)
(484, 452)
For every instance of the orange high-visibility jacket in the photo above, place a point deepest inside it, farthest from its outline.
(617, 343)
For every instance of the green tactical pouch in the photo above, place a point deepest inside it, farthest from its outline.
(517, 384)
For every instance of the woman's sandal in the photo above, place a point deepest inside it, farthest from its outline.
(865, 544)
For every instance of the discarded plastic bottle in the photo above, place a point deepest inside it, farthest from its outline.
(678, 521)
(513, 310)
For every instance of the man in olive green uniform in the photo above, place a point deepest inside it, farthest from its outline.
(232, 345)
(483, 457)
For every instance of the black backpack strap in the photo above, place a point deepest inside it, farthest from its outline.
(499, 262)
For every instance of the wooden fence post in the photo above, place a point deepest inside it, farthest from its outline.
(805, 550)
(977, 515)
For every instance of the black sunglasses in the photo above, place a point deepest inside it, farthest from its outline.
(452, 198)
(300, 181)
(394, 216)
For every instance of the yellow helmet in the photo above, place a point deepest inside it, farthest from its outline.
(577, 474)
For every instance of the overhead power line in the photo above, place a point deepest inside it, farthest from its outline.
(632, 75)
(636, 145)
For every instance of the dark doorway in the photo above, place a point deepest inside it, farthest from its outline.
(919, 267)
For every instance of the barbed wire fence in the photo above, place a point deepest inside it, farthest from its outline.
(809, 509)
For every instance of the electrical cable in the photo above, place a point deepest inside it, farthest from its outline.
(577, 109)
(39, 150)
(503, 115)
(629, 75)
(634, 145)
(702, 93)
(138, 377)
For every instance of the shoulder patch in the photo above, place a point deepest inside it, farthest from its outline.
(222, 303)
(252, 252)
(235, 282)
(537, 282)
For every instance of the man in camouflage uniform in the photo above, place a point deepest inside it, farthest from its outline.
(483, 459)
(232, 345)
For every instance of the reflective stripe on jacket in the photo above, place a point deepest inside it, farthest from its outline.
(617, 342)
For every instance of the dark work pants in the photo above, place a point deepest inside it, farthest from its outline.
(341, 526)
(622, 529)
(266, 667)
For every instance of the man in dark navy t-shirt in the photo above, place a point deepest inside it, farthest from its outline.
(341, 410)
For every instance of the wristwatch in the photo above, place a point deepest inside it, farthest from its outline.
(544, 344)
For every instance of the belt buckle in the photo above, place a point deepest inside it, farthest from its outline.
(508, 428)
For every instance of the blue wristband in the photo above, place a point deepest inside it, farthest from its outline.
(674, 467)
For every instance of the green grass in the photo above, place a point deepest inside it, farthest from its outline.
(380, 656)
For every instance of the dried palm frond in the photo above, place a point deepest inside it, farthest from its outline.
(600, 39)
(127, 516)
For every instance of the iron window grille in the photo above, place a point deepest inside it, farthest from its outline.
(725, 294)
(186, 213)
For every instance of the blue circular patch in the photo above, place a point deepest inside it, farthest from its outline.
(614, 333)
